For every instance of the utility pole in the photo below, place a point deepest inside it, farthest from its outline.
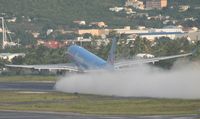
(4, 33)
(18, 42)
(5, 41)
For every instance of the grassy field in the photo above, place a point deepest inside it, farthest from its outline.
(27, 78)
(91, 104)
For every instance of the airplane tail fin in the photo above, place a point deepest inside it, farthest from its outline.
(111, 55)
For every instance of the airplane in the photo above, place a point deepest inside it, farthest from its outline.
(86, 61)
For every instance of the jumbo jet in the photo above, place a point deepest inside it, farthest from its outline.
(85, 61)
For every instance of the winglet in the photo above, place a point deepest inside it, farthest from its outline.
(111, 56)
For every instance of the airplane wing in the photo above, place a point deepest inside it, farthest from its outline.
(67, 67)
(149, 60)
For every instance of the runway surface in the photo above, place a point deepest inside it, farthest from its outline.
(52, 115)
(32, 86)
(39, 86)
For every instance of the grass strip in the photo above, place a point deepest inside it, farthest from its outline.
(92, 104)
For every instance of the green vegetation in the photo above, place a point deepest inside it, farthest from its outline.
(49, 14)
(174, 13)
(91, 104)
(26, 78)
(38, 55)
(125, 50)
(62, 11)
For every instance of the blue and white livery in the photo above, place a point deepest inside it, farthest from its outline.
(86, 61)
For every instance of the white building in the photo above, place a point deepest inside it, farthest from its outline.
(10, 56)
(135, 3)
(116, 9)
(80, 22)
(170, 31)
(12, 19)
(172, 35)
(142, 29)
(49, 31)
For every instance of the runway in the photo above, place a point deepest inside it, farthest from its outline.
(52, 115)
(49, 86)
(28, 86)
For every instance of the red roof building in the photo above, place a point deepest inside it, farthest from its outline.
(53, 44)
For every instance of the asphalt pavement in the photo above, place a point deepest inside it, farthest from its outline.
(30, 86)
(55, 115)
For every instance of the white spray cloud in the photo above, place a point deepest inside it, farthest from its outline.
(183, 81)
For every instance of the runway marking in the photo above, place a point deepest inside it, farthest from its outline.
(31, 92)
(37, 82)
(20, 117)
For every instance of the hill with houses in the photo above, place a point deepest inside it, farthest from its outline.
(61, 11)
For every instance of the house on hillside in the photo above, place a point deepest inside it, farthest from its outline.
(80, 22)
(53, 44)
(94, 32)
(116, 9)
(99, 24)
(10, 56)
(35, 34)
(50, 44)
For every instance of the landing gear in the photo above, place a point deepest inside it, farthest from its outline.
(60, 72)
(43, 72)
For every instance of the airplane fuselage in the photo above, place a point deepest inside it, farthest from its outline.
(86, 59)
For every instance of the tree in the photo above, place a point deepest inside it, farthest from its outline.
(87, 35)
(18, 60)
(141, 46)
(71, 36)
(112, 34)
(25, 38)
(104, 50)
(123, 51)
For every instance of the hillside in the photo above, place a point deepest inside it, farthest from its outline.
(62, 11)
